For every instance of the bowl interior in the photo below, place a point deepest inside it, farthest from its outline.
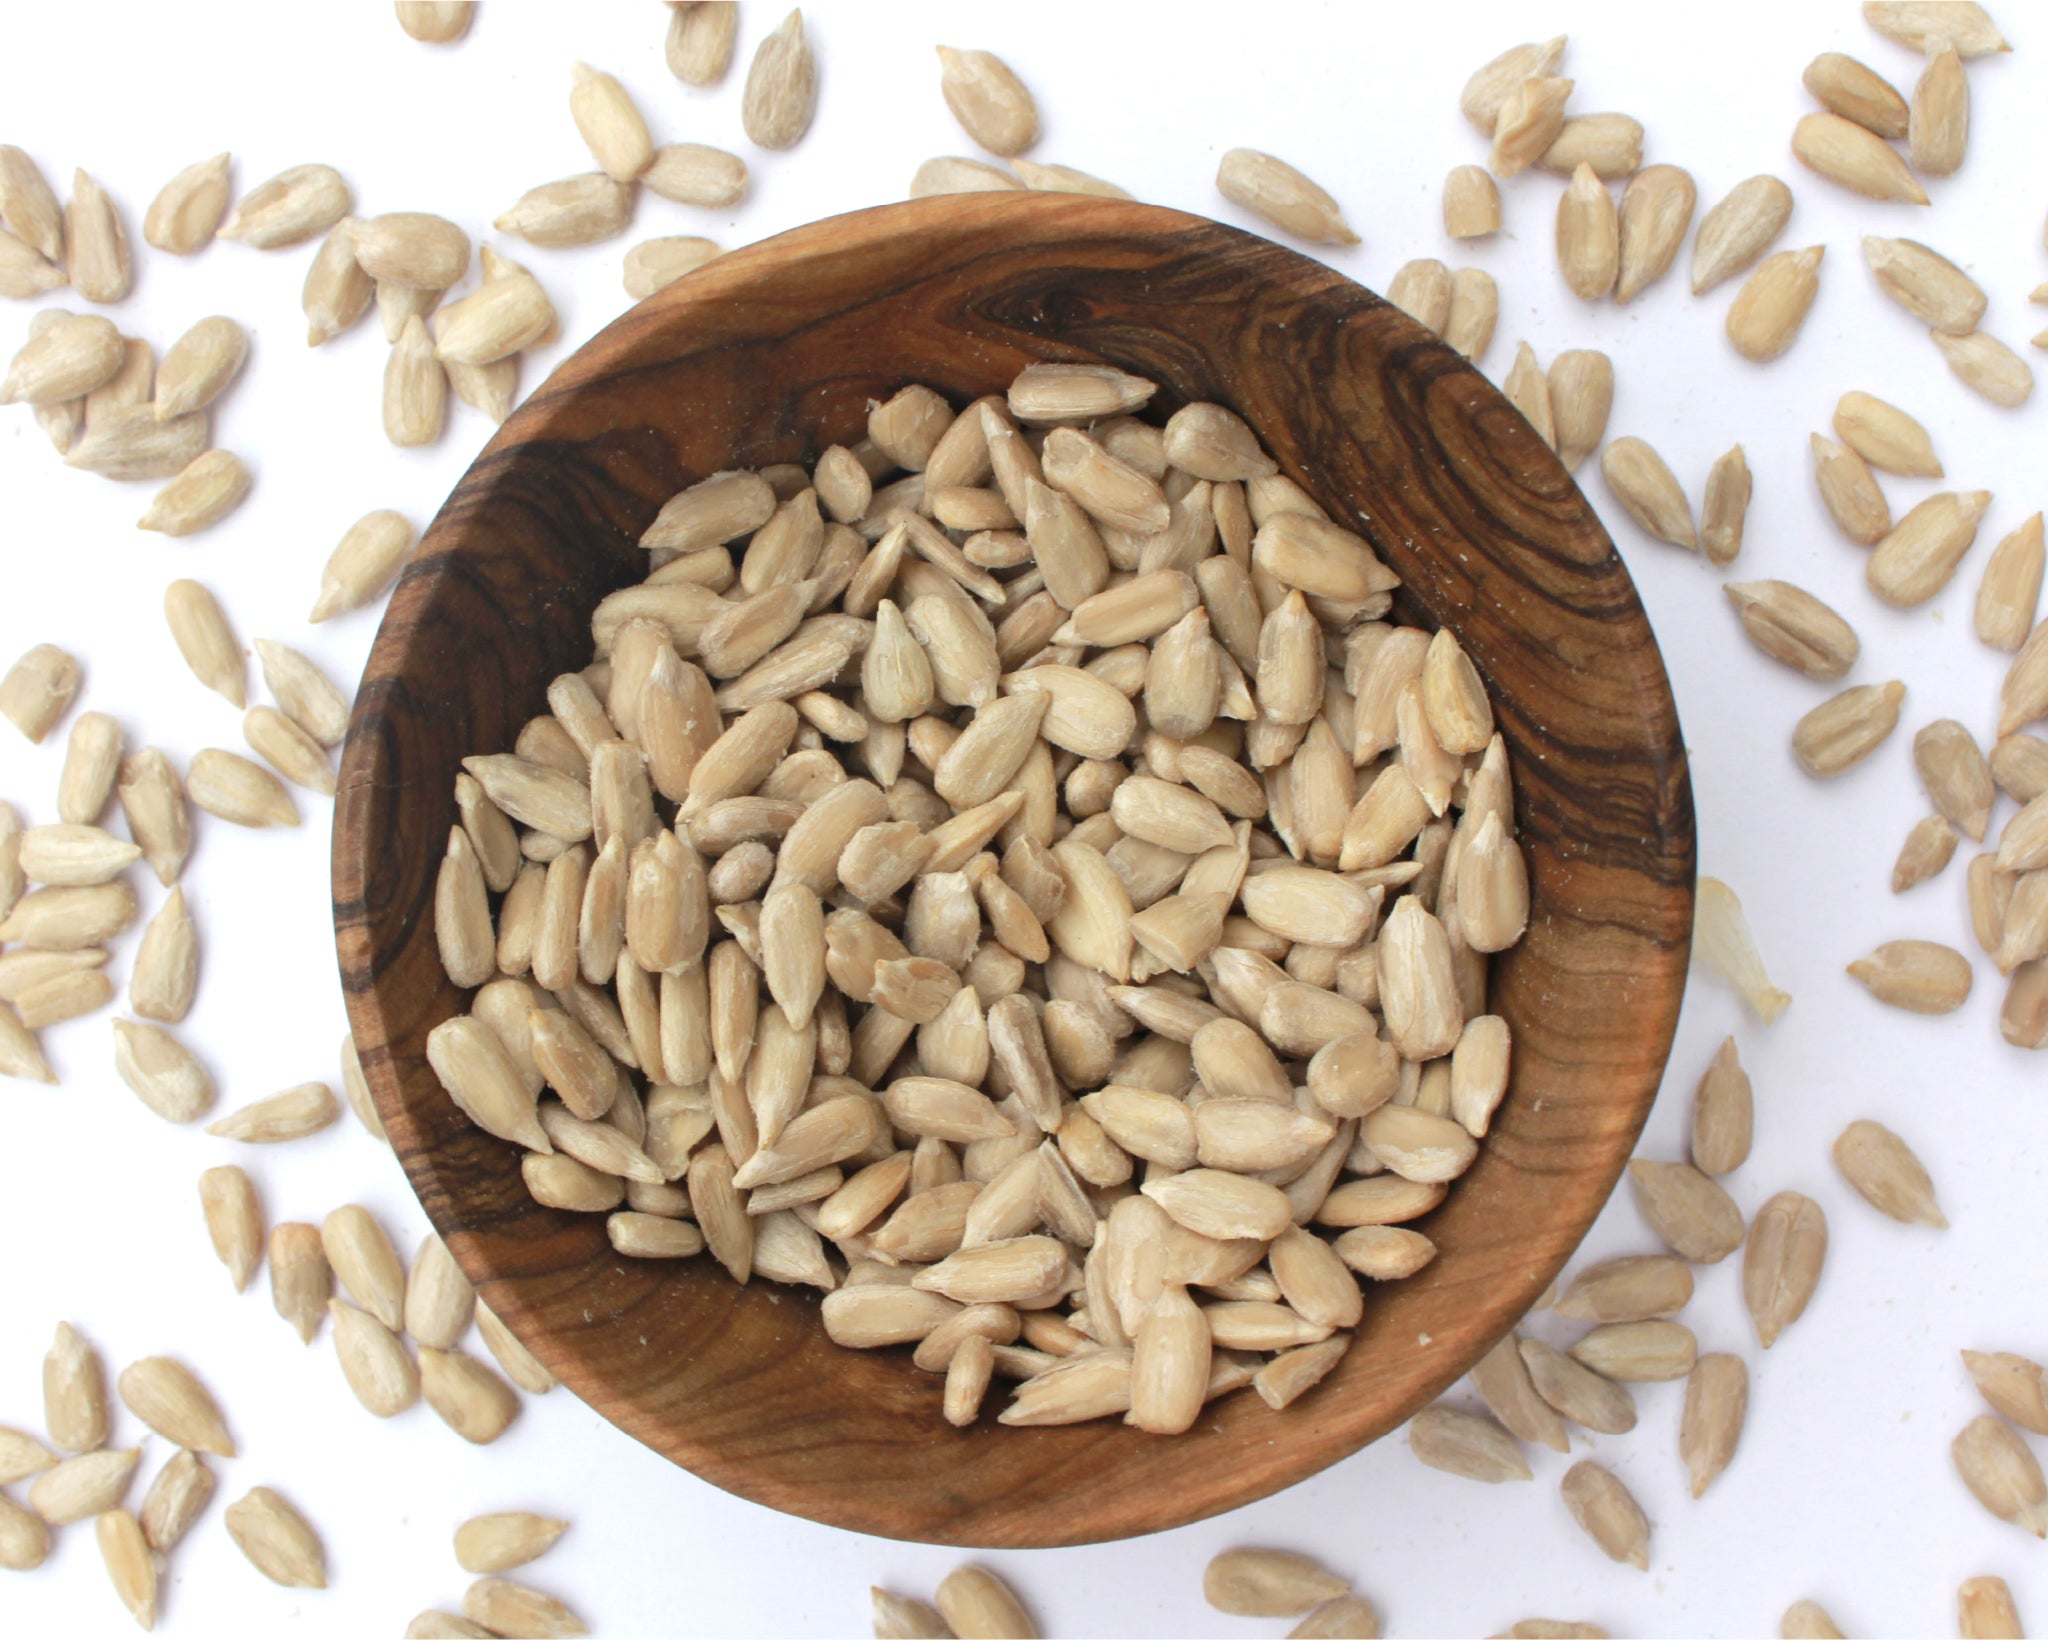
(772, 354)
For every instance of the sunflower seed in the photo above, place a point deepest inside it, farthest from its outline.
(1275, 191)
(2009, 594)
(1608, 1513)
(578, 210)
(21, 1456)
(654, 264)
(511, 1355)
(1645, 1287)
(1997, 1466)
(415, 389)
(277, 1540)
(1480, 100)
(74, 1393)
(1632, 1352)
(1791, 625)
(363, 564)
(175, 1500)
(1987, 367)
(295, 1113)
(1722, 1114)
(470, 1399)
(289, 209)
(1578, 1392)
(1475, 308)
(1716, 1404)
(990, 102)
(24, 1539)
(166, 969)
(2013, 1385)
(205, 639)
(1645, 486)
(1841, 732)
(1926, 284)
(1927, 25)
(95, 243)
(166, 1396)
(1846, 87)
(232, 788)
(198, 367)
(1268, 1583)
(497, 1543)
(208, 489)
(67, 359)
(609, 124)
(234, 1221)
(1690, 1211)
(1471, 203)
(436, 22)
(1530, 118)
(1846, 153)
(1887, 1174)
(1850, 494)
(1766, 315)
(73, 856)
(28, 209)
(81, 1487)
(1939, 125)
(1588, 236)
(1956, 775)
(1656, 210)
(781, 92)
(1985, 1610)
(1611, 144)
(1739, 230)
(1464, 1443)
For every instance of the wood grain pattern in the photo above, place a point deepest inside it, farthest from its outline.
(771, 354)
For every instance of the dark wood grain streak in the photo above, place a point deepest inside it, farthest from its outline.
(772, 353)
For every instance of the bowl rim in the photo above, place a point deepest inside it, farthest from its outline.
(705, 312)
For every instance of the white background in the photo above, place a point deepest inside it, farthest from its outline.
(1843, 1489)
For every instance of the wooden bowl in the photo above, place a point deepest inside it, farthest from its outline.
(772, 354)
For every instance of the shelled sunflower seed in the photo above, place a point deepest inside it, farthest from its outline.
(816, 1011)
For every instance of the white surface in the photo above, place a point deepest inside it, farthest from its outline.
(1843, 1489)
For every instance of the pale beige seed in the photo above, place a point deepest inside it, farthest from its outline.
(512, 1356)
(1638, 1352)
(28, 209)
(1919, 976)
(1692, 1213)
(497, 1543)
(470, 1399)
(176, 1499)
(129, 1564)
(978, 1604)
(781, 92)
(1611, 144)
(1488, 88)
(1645, 486)
(1927, 25)
(1503, 1382)
(700, 40)
(74, 856)
(1608, 1513)
(655, 264)
(2001, 1473)
(1987, 367)
(200, 629)
(198, 366)
(1885, 436)
(1466, 1444)
(2009, 594)
(1528, 390)
(337, 292)
(1642, 1287)
(439, 1299)
(1275, 191)
(413, 249)
(1716, 1406)
(1471, 203)
(363, 564)
(1849, 493)
(20, 1054)
(1064, 179)
(1920, 555)
(1170, 1364)
(81, 1487)
(1070, 395)
(153, 803)
(25, 275)
(204, 493)
(70, 919)
(161, 1071)
(1581, 386)
(1347, 1617)
(1578, 1392)
(1926, 284)
(1767, 313)
(38, 690)
(1656, 209)
(1956, 775)
(503, 1607)
(289, 209)
(1739, 230)
(609, 124)
(234, 1221)
(277, 1539)
(63, 997)
(1808, 1618)
(232, 788)
(1841, 732)
(95, 243)
(374, 1362)
(1422, 290)
(990, 102)
(1530, 118)
(1985, 1610)
(288, 749)
(2013, 1385)
(578, 210)
(415, 389)
(2023, 695)
(436, 22)
(166, 969)
(1846, 153)
(64, 360)
(509, 312)
(1887, 1174)
(1588, 236)
(132, 444)
(1724, 507)
(166, 1396)
(1938, 127)
(74, 1393)
(692, 174)
(21, 1457)
(1268, 1583)
(1475, 309)
(1989, 891)
(1722, 1114)
(1795, 627)
(1846, 87)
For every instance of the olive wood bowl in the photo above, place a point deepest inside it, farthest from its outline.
(773, 353)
